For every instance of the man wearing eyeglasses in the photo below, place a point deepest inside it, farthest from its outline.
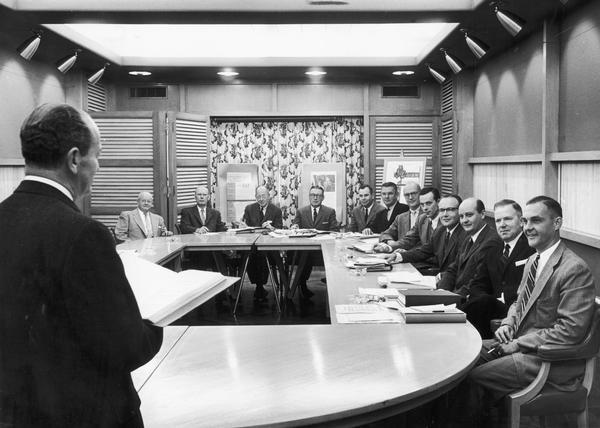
(314, 216)
(436, 255)
(403, 222)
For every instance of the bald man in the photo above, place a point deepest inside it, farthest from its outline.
(201, 218)
(140, 223)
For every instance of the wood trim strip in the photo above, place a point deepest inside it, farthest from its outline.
(534, 158)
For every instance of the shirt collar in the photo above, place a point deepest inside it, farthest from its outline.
(435, 221)
(453, 229)
(62, 189)
(544, 256)
(476, 235)
(513, 243)
(142, 215)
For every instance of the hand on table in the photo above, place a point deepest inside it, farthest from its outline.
(367, 231)
(202, 230)
(267, 225)
(382, 247)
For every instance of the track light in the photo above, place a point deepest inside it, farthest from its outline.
(28, 48)
(436, 74)
(65, 64)
(95, 78)
(455, 64)
(478, 47)
(511, 22)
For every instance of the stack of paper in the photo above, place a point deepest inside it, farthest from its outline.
(367, 313)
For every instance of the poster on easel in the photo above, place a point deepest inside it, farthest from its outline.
(236, 184)
(332, 178)
(402, 170)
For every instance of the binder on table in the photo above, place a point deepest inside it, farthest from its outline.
(433, 314)
(427, 296)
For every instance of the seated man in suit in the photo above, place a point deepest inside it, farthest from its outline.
(555, 305)
(393, 208)
(140, 223)
(494, 288)
(314, 216)
(364, 217)
(422, 231)
(261, 213)
(201, 218)
(444, 244)
(406, 220)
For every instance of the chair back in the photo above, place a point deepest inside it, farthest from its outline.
(177, 229)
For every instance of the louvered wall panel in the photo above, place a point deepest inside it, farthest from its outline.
(119, 187)
(126, 138)
(447, 97)
(192, 141)
(447, 180)
(187, 180)
(96, 97)
(447, 137)
(109, 221)
(414, 139)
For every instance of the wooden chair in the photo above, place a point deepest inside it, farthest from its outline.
(539, 399)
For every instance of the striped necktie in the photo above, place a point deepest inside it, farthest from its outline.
(529, 286)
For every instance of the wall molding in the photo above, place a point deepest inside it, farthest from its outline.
(534, 158)
(582, 238)
(584, 156)
(12, 162)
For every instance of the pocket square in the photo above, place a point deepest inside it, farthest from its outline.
(520, 262)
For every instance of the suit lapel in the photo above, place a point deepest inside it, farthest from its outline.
(196, 215)
(138, 220)
(516, 252)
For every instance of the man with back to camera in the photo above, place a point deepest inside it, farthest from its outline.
(406, 220)
(555, 306)
(140, 223)
(443, 246)
(501, 272)
(423, 229)
(201, 218)
(481, 240)
(392, 208)
(70, 328)
(314, 216)
(364, 217)
(261, 213)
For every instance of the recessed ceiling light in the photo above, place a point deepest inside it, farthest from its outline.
(140, 73)
(403, 73)
(315, 73)
(228, 73)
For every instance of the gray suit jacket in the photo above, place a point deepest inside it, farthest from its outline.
(399, 227)
(130, 226)
(419, 234)
(325, 219)
(357, 218)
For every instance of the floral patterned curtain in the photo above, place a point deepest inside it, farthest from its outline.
(280, 148)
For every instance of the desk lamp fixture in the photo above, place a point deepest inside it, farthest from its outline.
(65, 64)
(455, 64)
(511, 22)
(28, 48)
(476, 46)
(439, 77)
(95, 78)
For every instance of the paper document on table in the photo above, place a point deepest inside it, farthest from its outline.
(369, 313)
(163, 295)
(404, 277)
(366, 261)
(382, 292)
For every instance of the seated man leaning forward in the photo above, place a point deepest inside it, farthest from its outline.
(201, 218)
(555, 306)
(140, 223)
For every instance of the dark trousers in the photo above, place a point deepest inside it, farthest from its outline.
(481, 310)
(258, 271)
(313, 258)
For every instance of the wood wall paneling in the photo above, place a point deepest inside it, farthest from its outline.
(578, 186)
(10, 177)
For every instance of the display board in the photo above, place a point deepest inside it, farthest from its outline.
(402, 170)
(236, 185)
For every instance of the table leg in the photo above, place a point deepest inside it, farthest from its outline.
(301, 265)
(245, 258)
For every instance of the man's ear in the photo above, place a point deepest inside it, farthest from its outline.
(557, 223)
(73, 160)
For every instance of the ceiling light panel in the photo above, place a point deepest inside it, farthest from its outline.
(260, 45)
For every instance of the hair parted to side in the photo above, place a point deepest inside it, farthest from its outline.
(391, 184)
(426, 190)
(50, 131)
(505, 202)
(316, 187)
(550, 203)
(366, 186)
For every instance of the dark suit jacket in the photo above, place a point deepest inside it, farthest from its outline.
(190, 220)
(252, 216)
(382, 221)
(443, 254)
(460, 274)
(325, 219)
(399, 227)
(70, 328)
(357, 218)
(419, 234)
(497, 276)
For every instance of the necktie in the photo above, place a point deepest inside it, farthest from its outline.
(314, 215)
(447, 241)
(148, 226)
(202, 216)
(506, 252)
(261, 216)
(389, 213)
(468, 246)
(530, 284)
(413, 219)
(366, 214)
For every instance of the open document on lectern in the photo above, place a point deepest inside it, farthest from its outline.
(163, 295)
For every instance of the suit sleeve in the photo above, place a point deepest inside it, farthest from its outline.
(419, 254)
(220, 226)
(278, 220)
(353, 225)
(333, 223)
(122, 227)
(573, 301)
(246, 215)
(101, 304)
(478, 261)
(298, 219)
(186, 222)
(482, 281)
(391, 233)
(410, 240)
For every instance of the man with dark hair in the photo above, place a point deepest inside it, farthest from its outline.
(481, 240)
(422, 231)
(70, 328)
(314, 216)
(393, 208)
(494, 287)
(201, 218)
(406, 220)
(555, 305)
(436, 255)
(364, 217)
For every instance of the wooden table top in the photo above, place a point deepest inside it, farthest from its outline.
(303, 374)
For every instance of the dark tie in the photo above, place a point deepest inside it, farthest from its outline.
(261, 216)
(506, 253)
(447, 241)
(366, 215)
(314, 215)
(389, 213)
(468, 246)
(530, 284)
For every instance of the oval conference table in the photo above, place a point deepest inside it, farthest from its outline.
(292, 375)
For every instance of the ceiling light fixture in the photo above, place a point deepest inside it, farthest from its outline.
(315, 73)
(455, 64)
(511, 22)
(95, 78)
(66, 63)
(439, 77)
(476, 46)
(228, 73)
(28, 48)
(139, 73)
(403, 73)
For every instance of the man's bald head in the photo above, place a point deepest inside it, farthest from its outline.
(472, 215)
